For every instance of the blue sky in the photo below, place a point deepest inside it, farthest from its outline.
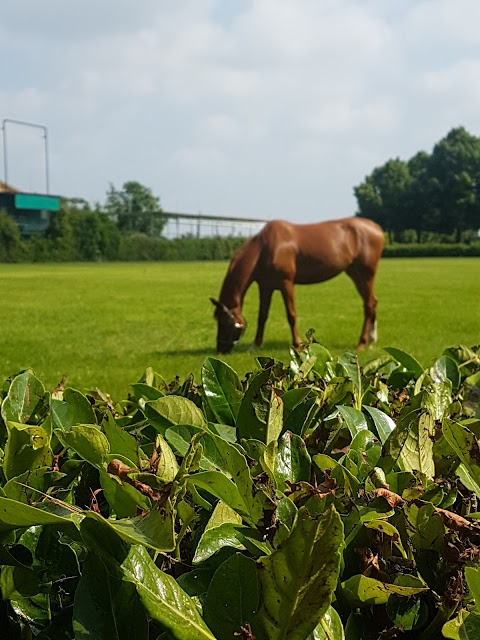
(268, 108)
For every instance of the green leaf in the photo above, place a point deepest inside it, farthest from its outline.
(239, 498)
(88, 442)
(425, 525)
(362, 591)
(121, 442)
(354, 419)
(389, 530)
(106, 607)
(330, 627)
(171, 410)
(222, 390)
(465, 626)
(27, 448)
(342, 475)
(472, 575)
(233, 597)
(299, 578)
(261, 411)
(406, 360)
(368, 450)
(446, 368)
(291, 461)
(383, 423)
(164, 600)
(73, 409)
(232, 483)
(124, 500)
(293, 398)
(467, 448)
(16, 515)
(321, 355)
(212, 540)
(410, 445)
(219, 531)
(24, 399)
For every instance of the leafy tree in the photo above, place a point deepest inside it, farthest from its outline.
(438, 192)
(12, 249)
(455, 164)
(135, 208)
(382, 197)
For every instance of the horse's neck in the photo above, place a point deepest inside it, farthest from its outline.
(239, 277)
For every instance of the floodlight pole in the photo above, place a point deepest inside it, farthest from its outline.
(45, 137)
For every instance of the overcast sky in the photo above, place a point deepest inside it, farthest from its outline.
(259, 108)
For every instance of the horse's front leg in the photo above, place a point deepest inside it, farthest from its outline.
(288, 293)
(364, 279)
(265, 300)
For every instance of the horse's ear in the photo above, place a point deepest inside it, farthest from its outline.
(215, 303)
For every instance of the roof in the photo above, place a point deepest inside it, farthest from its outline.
(7, 188)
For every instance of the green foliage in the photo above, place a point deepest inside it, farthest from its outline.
(12, 248)
(135, 208)
(435, 192)
(317, 499)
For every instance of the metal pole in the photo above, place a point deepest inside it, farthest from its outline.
(5, 161)
(45, 136)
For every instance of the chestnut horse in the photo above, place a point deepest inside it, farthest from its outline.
(283, 254)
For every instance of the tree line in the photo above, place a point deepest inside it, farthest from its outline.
(126, 227)
(432, 196)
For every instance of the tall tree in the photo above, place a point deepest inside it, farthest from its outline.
(455, 164)
(382, 197)
(135, 208)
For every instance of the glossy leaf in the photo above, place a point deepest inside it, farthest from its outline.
(446, 368)
(362, 591)
(88, 442)
(164, 600)
(121, 443)
(261, 412)
(425, 526)
(291, 461)
(406, 360)
(330, 627)
(299, 578)
(171, 410)
(222, 389)
(27, 448)
(16, 515)
(383, 423)
(354, 419)
(467, 448)
(219, 531)
(25, 397)
(233, 598)
(106, 607)
(73, 409)
(472, 575)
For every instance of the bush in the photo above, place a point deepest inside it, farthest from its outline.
(316, 499)
(12, 248)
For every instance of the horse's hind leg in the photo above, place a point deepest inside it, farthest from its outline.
(288, 293)
(265, 300)
(363, 278)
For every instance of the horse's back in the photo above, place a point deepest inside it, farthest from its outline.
(315, 252)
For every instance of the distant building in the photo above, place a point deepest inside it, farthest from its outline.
(31, 211)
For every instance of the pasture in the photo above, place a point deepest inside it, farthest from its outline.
(101, 325)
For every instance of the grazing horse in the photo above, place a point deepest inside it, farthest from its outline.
(283, 254)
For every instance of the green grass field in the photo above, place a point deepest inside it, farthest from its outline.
(103, 324)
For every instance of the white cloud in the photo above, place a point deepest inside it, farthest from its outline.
(263, 106)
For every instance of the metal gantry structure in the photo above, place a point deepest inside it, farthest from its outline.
(203, 225)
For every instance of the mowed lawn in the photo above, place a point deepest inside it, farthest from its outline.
(101, 325)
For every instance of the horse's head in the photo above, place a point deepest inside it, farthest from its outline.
(231, 325)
